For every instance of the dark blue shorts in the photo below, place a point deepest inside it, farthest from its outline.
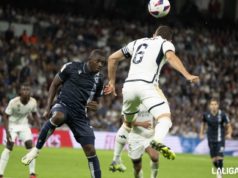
(78, 124)
(216, 149)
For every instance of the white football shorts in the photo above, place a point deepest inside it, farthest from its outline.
(150, 95)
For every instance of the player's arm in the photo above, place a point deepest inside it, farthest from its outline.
(145, 124)
(228, 126)
(202, 128)
(228, 131)
(36, 120)
(52, 92)
(176, 63)
(113, 61)
(6, 126)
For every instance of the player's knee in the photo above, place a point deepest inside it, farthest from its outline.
(57, 118)
(122, 139)
(10, 145)
(28, 144)
(89, 150)
(154, 158)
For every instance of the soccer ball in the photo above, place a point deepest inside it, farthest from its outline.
(158, 8)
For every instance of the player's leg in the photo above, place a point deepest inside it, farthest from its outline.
(216, 152)
(136, 149)
(57, 119)
(137, 165)
(29, 146)
(6, 153)
(120, 142)
(84, 135)
(154, 164)
(158, 106)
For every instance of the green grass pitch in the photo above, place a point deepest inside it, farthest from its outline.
(71, 163)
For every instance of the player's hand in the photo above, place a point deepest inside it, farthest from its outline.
(46, 114)
(228, 136)
(193, 78)
(146, 124)
(93, 105)
(110, 88)
(9, 138)
(201, 136)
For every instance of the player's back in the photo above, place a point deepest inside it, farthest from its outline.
(147, 59)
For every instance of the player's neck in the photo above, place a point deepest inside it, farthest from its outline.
(24, 100)
(214, 112)
(88, 68)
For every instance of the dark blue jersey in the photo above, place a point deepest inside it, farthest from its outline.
(79, 86)
(216, 126)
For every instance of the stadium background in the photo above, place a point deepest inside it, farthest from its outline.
(57, 31)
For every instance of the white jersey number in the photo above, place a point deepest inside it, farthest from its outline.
(140, 51)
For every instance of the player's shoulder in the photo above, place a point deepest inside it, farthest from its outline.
(15, 100)
(33, 100)
(223, 113)
(206, 114)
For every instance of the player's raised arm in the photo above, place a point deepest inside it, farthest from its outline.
(176, 63)
(112, 68)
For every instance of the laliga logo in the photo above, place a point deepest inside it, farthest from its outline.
(224, 171)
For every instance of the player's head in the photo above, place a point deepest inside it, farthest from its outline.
(213, 105)
(165, 32)
(25, 90)
(97, 60)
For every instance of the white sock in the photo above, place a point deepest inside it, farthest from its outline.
(32, 165)
(4, 160)
(154, 169)
(121, 139)
(161, 129)
(140, 175)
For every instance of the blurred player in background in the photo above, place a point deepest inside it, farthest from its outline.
(139, 142)
(138, 139)
(148, 55)
(219, 128)
(81, 86)
(16, 125)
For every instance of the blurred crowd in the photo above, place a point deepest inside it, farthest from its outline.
(212, 53)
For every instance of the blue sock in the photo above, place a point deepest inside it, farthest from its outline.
(46, 131)
(94, 166)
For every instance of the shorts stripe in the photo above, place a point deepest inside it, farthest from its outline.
(155, 106)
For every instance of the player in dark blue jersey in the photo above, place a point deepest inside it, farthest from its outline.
(218, 129)
(81, 86)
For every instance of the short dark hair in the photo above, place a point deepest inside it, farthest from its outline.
(165, 32)
(214, 99)
(96, 52)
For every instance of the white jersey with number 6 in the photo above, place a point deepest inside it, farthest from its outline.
(147, 58)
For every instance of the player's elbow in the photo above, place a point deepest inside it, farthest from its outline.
(170, 55)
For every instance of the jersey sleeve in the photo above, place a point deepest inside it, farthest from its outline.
(167, 46)
(128, 49)
(8, 110)
(64, 72)
(225, 118)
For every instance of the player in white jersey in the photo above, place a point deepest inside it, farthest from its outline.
(16, 125)
(148, 55)
(139, 138)
(139, 142)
